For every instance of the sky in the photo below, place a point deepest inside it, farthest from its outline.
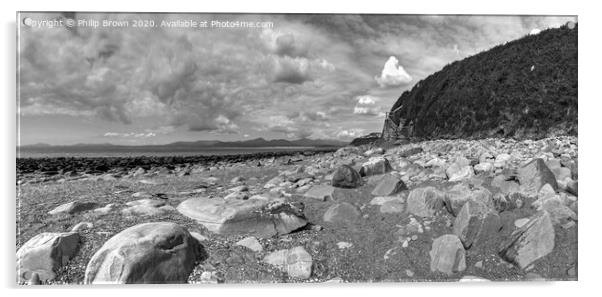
(286, 77)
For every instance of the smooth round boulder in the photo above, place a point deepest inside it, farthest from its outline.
(346, 177)
(150, 253)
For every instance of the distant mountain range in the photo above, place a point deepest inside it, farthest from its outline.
(257, 142)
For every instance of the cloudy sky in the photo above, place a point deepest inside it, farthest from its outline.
(315, 76)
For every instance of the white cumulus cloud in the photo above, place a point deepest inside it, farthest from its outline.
(393, 74)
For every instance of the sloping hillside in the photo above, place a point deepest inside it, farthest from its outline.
(526, 88)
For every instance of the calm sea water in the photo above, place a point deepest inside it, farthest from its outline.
(117, 151)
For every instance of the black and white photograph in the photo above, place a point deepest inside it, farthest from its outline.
(201, 148)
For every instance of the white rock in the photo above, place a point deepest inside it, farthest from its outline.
(251, 243)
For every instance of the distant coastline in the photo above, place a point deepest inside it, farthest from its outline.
(196, 148)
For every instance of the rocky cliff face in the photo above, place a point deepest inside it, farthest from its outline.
(526, 88)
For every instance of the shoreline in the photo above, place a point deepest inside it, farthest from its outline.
(98, 165)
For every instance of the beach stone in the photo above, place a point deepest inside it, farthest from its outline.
(257, 217)
(251, 243)
(140, 171)
(394, 206)
(374, 151)
(296, 262)
(44, 254)
(142, 195)
(457, 172)
(384, 199)
(410, 152)
(237, 179)
(532, 241)
(274, 182)
(572, 187)
(501, 160)
(344, 245)
(342, 213)
(147, 207)
(435, 162)
(448, 255)
(461, 193)
(346, 177)
(82, 226)
(73, 207)
(375, 165)
(320, 192)
(424, 202)
(535, 175)
(150, 253)
(483, 167)
(477, 224)
(389, 185)
(106, 209)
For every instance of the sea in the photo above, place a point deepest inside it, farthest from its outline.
(148, 151)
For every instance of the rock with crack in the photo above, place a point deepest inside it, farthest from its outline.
(533, 241)
(375, 165)
(258, 217)
(346, 177)
(424, 202)
(342, 214)
(535, 175)
(296, 262)
(459, 194)
(147, 207)
(389, 185)
(477, 225)
(448, 255)
(150, 253)
(73, 207)
(44, 254)
(320, 192)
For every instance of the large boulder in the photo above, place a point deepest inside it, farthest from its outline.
(150, 253)
(44, 254)
(459, 194)
(424, 202)
(342, 213)
(256, 217)
(346, 177)
(389, 185)
(477, 224)
(375, 165)
(73, 207)
(532, 241)
(535, 175)
(448, 255)
(296, 262)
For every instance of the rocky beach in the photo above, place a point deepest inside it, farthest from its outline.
(445, 210)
